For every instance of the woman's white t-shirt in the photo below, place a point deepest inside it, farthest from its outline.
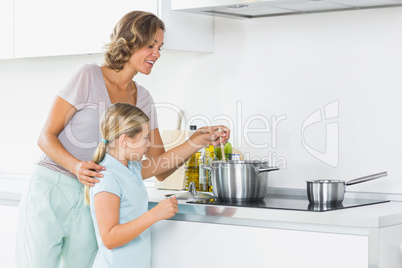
(86, 91)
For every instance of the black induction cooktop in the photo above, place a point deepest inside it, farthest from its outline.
(291, 203)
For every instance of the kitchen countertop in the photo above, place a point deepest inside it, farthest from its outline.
(350, 220)
(379, 226)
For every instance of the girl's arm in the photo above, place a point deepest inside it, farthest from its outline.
(175, 157)
(113, 234)
(60, 114)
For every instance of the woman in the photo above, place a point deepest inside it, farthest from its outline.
(55, 227)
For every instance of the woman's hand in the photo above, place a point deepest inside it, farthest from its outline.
(87, 172)
(166, 209)
(222, 132)
(210, 136)
(177, 156)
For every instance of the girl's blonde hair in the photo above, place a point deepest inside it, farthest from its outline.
(119, 119)
(135, 30)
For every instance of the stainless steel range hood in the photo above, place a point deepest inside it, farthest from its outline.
(265, 8)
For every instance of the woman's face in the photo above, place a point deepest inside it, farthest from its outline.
(144, 58)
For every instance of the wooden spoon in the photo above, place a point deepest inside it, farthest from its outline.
(222, 147)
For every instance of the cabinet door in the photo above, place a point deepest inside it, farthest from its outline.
(54, 27)
(186, 31)
(6, 29)
(198, 245)
(8, 232)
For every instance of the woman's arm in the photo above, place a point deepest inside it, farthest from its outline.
(113, 234)
(155, 150)
(60, 114)
(175, 157)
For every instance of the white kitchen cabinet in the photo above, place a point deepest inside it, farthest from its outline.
(184, 31)
(52, 28)
(8, 232)
(7, 29)
(193, 244)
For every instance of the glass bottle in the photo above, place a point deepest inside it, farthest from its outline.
(192, 170)
(211, 158)
(192, 166)
(218, 151)
(235, 157)
(204, 176)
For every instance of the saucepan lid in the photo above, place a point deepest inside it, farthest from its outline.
(192, 194)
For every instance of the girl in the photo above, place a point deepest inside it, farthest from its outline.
(119, 202)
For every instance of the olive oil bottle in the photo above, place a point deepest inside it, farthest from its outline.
(192, 171)
(206, 157)
(192, 166)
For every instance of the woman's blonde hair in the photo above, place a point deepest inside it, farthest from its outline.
(119, 119)
(134, 31)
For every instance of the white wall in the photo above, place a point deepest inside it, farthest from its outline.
(27, 89)
(281, 67)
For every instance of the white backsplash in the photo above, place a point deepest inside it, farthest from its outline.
(279, 71)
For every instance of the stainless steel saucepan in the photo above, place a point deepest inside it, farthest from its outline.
(333, 191)
(236, 180)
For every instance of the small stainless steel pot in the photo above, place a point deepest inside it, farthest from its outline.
(236, 180)
(333, 191)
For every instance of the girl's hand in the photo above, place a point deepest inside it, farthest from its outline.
(87, 172)
(210, 136)
(166, 209)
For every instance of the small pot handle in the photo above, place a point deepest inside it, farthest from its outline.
(367, 178)
(259, 169)
(207, 167)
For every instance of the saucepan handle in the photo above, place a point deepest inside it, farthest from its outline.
(207, 167)
(367, 178)
(260, 169)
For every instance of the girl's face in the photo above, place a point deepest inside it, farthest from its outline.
(144, 58)
(138, 145)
